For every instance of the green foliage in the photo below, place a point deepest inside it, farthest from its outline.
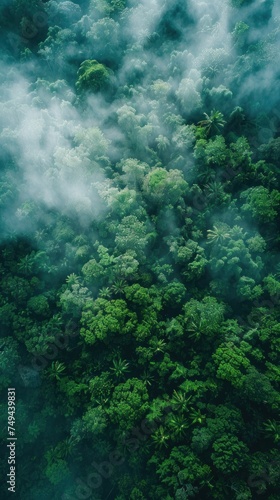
(72, 300)
(92, 142)
(140, 284)
(103, 318)
(56, 370)
(39, 305)
(258, 388)
(234, 259)
(94, 421)
(57, 471)
(184, 462)
(104, 36)
(230, 454)
(231, 364)
(128, 404)
(217, 235)
(120, 368)
(272, 285)
(162, 187)
(272, 429)
(222, 419)
(100, 388)
(213, 122)
(203, 318)
(107, 7)
(213, 152)
(92, 76)
(132, 234)
(261, 204)
(9, 359)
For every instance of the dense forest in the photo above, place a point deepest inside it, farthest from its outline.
(139, 248)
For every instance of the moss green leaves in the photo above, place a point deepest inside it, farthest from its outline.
(93, 76)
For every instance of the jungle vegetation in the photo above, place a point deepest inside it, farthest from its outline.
(139, 248)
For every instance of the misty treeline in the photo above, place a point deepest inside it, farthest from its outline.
(140, 272)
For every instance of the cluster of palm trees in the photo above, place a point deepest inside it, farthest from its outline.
(182, 416)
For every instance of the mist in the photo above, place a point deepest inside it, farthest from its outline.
(140, 204)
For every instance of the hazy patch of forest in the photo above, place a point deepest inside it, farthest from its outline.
(139, 248)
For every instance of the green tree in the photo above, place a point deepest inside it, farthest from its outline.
(104, 37)
(103, 319)
(129, 403)
(182, 461)
(272, 285)
(39, 305)
(120, 368)
(56, 370)
(217, 235)
(57, 470)
(91, 143)
(213, 123)
(213, 152)
(189, 96)
(231, 364)
(203, 318)
(132, 234)
(163, 187)
(262, 204)
(73, 299)
(230, 454)
(127, 265)
(133, 172)
(161, 438)
(101, 387)
(220, 420)
(258, 388)
(272, 430)
(178, 425)
(93, 76)
(9, 358)
(236, 261)
(94, 421)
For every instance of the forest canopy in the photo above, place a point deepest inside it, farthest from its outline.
(140, 248)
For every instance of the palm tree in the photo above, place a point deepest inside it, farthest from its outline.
(207, 482)
(178, 425)
(119, 286)
(26, 264)
(212, 123)
(157, 345)
(101, 401)
(56, 370)
(162, 143)
(196, 416)
(277, 271)
(40, 234)
(195, 328)
(206, 174)
(67, 447)
(160, 438)
(105, 292)
(272, 430)
(147, 377)
(237, 232)
(180, 401)
(72, 279)
(120, 368)
(217, 235)
(215, 190)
